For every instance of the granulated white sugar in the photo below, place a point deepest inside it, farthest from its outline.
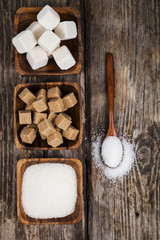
(49, 190)
(125, 165)
(112, 151)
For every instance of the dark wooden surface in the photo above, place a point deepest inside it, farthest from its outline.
(130, 208)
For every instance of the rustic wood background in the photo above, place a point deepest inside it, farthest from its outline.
(128, 209)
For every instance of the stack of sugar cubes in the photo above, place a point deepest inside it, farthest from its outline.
(41, 43)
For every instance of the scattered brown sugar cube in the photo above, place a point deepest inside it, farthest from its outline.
(41, 93)
(56, 105)
(46, 128)
(54, 92)
(27, 96)
(34, 126)
(69, 101)
(38, 117)
(55, 139)
(29, 107)
(28, 135)
(52, 116)
(40, 105)
(42, 136)
(71, 133)
(25, 117)
(63, 121)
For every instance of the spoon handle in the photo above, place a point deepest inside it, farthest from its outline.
(110, 85)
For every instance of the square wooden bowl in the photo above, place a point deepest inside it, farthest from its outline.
(75, 112)
(73, 218)
(24, 17)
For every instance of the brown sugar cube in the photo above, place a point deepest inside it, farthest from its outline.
(38, 117)
(71, 133)
(27, 96)
(52, 116)
(56, 105)
(28, 135)
(63, 121)
(54, 92)
(42, 136)
(29, 107)
(67, 116)
(41, 93)
(69, 101)
(46, 128)
(55, 139)
(40, 105)
(58, 129)
(25, 117)
(34, 126)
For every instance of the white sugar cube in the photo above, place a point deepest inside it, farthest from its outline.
(49, 41)
(37, 57)
(50, 54)
(37, 29)
(63, 58)
(24, 41)
(48, 18)
(66, 30)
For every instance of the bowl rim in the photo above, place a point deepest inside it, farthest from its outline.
(80, 138)
(22, 162)
(77, 69)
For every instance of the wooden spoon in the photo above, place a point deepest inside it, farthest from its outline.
(110, 86)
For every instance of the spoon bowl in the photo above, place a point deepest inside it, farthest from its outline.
(110, 85)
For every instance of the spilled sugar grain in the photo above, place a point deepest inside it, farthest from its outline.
(123, 168)
(126, 164)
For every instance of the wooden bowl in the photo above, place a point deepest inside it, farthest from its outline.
(75, 113)
(73, 218)
(24, 17)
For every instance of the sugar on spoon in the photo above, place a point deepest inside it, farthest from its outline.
(112, 149)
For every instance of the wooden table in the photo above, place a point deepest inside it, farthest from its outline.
(128, 209)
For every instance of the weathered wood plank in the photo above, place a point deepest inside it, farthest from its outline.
(128, 209)
(11, 228)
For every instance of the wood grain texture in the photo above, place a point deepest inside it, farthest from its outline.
(128, 209)
(73, 218)
(24, 17)
(75, 113)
